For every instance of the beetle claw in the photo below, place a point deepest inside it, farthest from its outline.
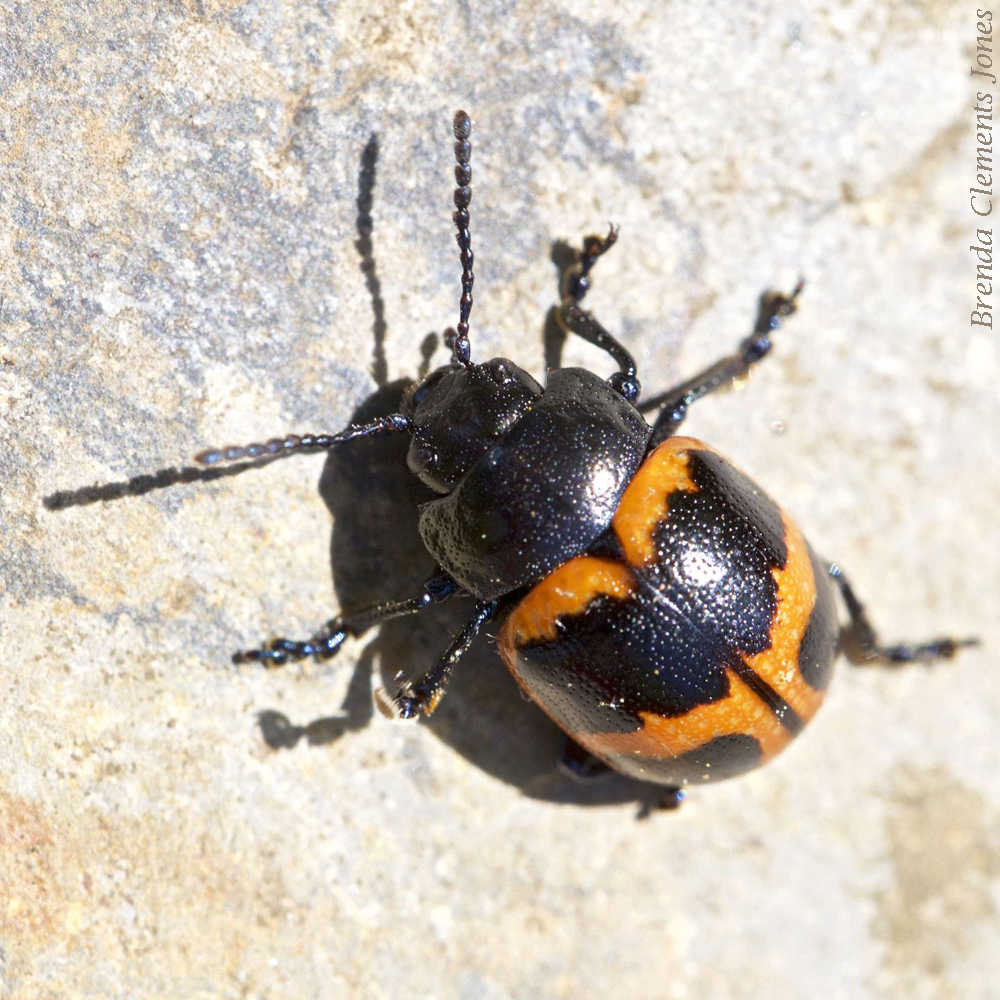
(401, 705)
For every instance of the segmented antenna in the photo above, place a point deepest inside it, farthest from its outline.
(462, 127)
(293, 443)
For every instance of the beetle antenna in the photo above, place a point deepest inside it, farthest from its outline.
(462, 127)
(291, 444)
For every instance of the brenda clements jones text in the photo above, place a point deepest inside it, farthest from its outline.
(981, 197)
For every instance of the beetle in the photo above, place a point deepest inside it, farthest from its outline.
(661, 608)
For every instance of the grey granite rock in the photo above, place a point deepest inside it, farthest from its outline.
(182, 265)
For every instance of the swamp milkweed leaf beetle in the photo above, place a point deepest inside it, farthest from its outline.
(656, 603)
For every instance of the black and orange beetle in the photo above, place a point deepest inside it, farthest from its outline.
(656, 603)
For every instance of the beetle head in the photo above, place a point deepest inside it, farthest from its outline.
(459, 412)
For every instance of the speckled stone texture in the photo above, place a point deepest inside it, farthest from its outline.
(222, 221)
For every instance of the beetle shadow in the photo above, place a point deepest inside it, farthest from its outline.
(565, 257)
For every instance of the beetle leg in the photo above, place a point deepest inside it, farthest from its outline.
(576, 281)
(584, 325)
(665, 799)
(673, 404)
(861, 641)
(579, 763)
(573, 319)
(329, 638)
(423, 696)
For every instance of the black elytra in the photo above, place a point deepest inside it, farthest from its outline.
(656, 603)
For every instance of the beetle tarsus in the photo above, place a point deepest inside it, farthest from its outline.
(668, 800)
(573, 319)
(325, 642)
(412, 699)
(860, 640)
(674, 403)
(401, 705)
(577, 279)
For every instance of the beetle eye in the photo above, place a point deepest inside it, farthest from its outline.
(424, 456)
(417, 393)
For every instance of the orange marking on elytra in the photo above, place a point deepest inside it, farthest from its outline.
(661, 737)
(646, 501)
(565, 591)
(796, 594)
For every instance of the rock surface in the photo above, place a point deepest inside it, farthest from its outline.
(219, 222)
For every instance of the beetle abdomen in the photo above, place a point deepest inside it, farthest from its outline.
(696, 640)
